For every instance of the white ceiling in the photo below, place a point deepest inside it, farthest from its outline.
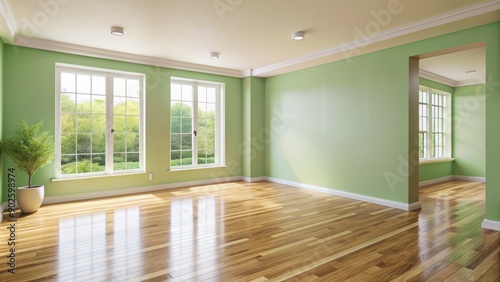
(252, 36)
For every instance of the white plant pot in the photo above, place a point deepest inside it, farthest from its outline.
(30, 199)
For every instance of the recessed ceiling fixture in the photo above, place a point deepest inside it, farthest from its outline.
(298, 35)
(470, 71)
(214, 55)
(117, 30)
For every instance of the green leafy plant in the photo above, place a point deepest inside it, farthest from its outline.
(29, 148)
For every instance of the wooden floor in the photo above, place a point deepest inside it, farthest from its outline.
(256, 232)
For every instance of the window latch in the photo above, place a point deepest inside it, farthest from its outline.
(195, 133)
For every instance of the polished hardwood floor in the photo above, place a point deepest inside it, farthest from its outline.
(255, 232)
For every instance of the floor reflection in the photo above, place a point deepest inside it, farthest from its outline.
(85, 245)
(82, 246)
(194, 236)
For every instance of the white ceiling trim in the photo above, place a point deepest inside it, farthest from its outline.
(437, 78)
(471, 11)
(120, 56)
(6, 13)
(450, 82)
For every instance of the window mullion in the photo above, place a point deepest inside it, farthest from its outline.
(109, 123)
(429, 124)
(195, 125)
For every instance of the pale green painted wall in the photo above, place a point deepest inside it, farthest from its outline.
(342, 125)
(493, 124)
(469, 131)
(347, 125)
(2, 166)
(254, 134)
(436, 170)
(29, 94)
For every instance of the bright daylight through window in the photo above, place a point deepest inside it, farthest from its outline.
(196, 124)
(99, 122)
(434, 124)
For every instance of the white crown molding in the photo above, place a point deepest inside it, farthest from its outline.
(120, 56)
(6, 13)
(450, 82)
(460, 14)
(437, 78)
(471, 82)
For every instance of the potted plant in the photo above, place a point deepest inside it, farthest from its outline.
(30, 149)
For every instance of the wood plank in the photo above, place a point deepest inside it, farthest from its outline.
(256, 232)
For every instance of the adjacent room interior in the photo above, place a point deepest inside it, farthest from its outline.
(252, 141)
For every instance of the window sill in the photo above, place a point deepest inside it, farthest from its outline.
(434, 161)
(195, 168)
(97, 176)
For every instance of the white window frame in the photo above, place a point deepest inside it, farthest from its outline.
(219, 124)
(110, 75)
(447, 126)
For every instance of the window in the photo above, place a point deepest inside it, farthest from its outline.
(99, 122)
(434, 124)
(196, 123)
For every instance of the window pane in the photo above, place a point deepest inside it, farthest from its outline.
(119, 162)
(68, 123)
(68, 82)
(68, 144)
(68, 103)
(175, 141)
(98, 85)
(98, 104)
(132, 124)
(133, 106)
(132, 143)
(83, 103)
(119, 106)
(83, 124)
(98, 143)
(83, 83)
(133, 88)
(119, 87)
(83, 143)
(175, 92)
(119, 142)
(187, 140)
(99, 123)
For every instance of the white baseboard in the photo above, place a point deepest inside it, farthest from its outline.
(469, 178)
(490, 224)
(378, 201)
(126, 191)
(253, 179)
(451, 177)
(435, 181)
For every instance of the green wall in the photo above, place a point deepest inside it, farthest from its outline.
(350, 126)
(2, 167)
(492, 124)
(431, 171)
(469, 127)
(254, 133)
(30, 90)
(346, 125)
